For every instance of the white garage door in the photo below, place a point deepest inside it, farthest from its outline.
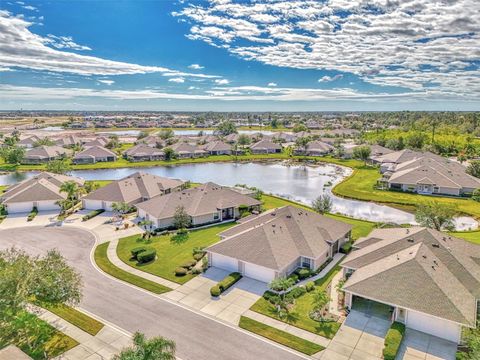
(224, 262)
(47, 205)
(92, 204)
(20, 207)
(259, 273)
(434, 326)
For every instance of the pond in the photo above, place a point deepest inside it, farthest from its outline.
(295, 182)
(120, 132)
(210, 132)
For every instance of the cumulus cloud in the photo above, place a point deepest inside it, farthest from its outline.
(410, 44)
(272, 84)
(196, 67)
(327, 78)
(21, 48)
(222, 81)
(106, 81)
(178, 80)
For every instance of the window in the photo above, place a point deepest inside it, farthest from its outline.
(215, 216)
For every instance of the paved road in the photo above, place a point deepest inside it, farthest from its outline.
(196, 337)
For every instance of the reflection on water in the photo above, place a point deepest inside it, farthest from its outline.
(210, 132)
(296, 182)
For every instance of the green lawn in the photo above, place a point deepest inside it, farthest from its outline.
(279, 336)
(170, 254)
(103, 263)
(77, 318)
(473, 236)
(299, 314)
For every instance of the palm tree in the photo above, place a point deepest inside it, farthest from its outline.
(147, 226)
(156, 348)
(71, 188)
(281, 285)
(120, 207)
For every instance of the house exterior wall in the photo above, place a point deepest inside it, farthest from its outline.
(21, 207)
(432, 325)
(319, 261)
(205, 219)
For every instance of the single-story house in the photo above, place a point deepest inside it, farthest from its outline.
(132, 189)
(185, 150)
(431, 280)
(94, 154)
(68, 141)
(143, 152)
(29, 141)
(41, 191)
(390, 160)
(218, 148)
(206, 204)
(98, 141)
(315, 148)
(276, 243)
(285, 137)
(43, 154)
(265, 147)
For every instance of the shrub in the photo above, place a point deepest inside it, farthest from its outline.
(179, 271)
(196, 271)
(32, 214)
(476, 195)
(296, 292)
(310, 286)
(92, 214)
(198, 256)
(215, 291)
(393, 339)
(147, 255)
(136, 251)
(303, 273)
(346, 248)
(229, 280)
(205, 263)
(271, 297)
(293, 277)
(189, 264)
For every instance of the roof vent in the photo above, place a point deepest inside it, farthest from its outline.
(424, 256)
(433, 267)
(436, 246)
(408, 231)
(289, 216)
(410, 240)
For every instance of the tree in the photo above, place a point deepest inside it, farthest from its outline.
(472, 341)
(44, 142)
(298, 127)
(60, 166)
(243, 139)
(71, 188)
(113, 143)
(141, 135)
(474, 168)
(166, 134)
(13, 154)
(169, 154)
(476, 195)
(181, 220)
(90, 186)
(226, 128)
(322, 204)
(319, 300)
(435, 215)
(147, 226)
(302, 143)
(362, 152)
(282, 285)
(156, 348)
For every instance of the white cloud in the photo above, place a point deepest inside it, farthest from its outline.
(222, 81)
(29, 7)
(272, 84)
(21, 48)
(196, 67)
(106, 81)
(177, 80)
(327, 78)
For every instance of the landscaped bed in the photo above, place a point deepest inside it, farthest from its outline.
(299, 314)
(279, 336)
(173, 251)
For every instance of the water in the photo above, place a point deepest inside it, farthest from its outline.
(120, 132)
(52, 128)
(295, 182)
(210, 132)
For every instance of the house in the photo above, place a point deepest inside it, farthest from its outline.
(431, 280)
(265, 147)
(431, 174)
(284, 137)
(41, 191)
(206, 204)
(43, 154)
(11, 352)
(218, 148)
(315, 148)
(68, 141)
(94, 154)
(143, 152)
(276, 243)
(185, 150)
(99, 141)
(389, 160)
(132, 189)
(29, 141)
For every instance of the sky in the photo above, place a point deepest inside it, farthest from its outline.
(227, 55)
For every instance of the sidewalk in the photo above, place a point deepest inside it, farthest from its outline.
(336, 259)
(113, 257)
(104, 345)
(307, 335)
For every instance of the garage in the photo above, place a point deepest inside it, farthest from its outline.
(431, 325)
(47, 205)
(92, 204)
(20, 207)
(259, 272)
(224, 262)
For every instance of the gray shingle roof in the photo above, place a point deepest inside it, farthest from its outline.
(143, 150)
(46, 152)
(94, 152)
(265, 144)
(278, 237)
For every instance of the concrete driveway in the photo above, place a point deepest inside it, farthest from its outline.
(420, 346)
(360, 337)
(197, 337)
(229, 306)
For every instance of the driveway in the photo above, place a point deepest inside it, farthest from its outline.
(229, 306)
(360, 337)
(197, 337)
(420, 346)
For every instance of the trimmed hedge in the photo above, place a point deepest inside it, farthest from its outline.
(393, 339)
(147, 255)
(227, 282)
(346, 248)
(215, 291)
(137, 250)
(310, 286)
(92, 214)
(189, 264)
(179, 271)
(303, 273)
(32, 214)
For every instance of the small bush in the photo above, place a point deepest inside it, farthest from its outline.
(293, 277)
(310, 286)
(393, 339)
(296, 292)
(346, 248)
(179, 271)
(205, 263)
(303, 273)
(198, 256)
(271, 297)
(136, 251)
(196, 271)
(92, 214)
(215, 291)
(147, 255)
(229, 281)
(189, 264)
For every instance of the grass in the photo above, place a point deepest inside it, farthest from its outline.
(472, 236)
(171, 252)
(279, 336)
(75, 317)
(103, 263)
(299, 314)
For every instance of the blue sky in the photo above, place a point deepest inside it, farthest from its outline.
(240, 55)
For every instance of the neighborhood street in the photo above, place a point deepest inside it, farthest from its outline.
(196, 336)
